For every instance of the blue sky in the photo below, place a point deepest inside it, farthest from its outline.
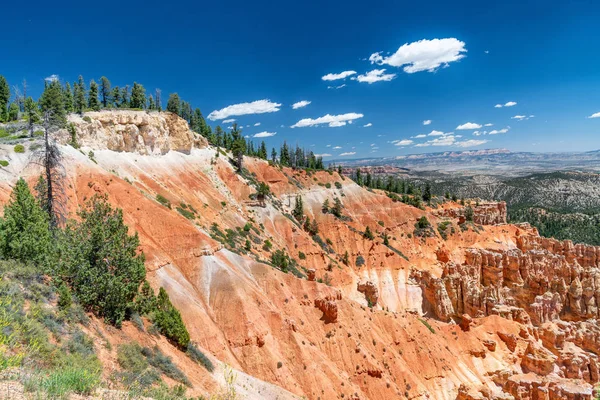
(543, 56)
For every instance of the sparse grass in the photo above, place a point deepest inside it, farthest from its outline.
(164, 364)
(163, 200)
(195, 354)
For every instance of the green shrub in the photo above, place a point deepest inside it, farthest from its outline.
(301, 255)
(195, 354)
(61, 382)
(328, 185)
(338, 185)
(87, 119)
(4, 163)
(168, 320)
(360, 261)
(19, 148)
(164, 364)
(427, 325)
(3, 133)
(186, 213)
(423, 222)
(267, 245)
(163, 200)
(64, 297)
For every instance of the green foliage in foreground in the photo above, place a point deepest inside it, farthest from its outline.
(168, 320)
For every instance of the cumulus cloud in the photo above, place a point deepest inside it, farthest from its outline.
(488, 124)
(335, 77)
(51, 78)
(404, 142)
(471, 143)
(331, 120)
(377, 75)
(255, 107)
(507, 104)
(323, 155)
(300, 104)
(337, 147)
(367, 125)
(435, 133)
(496, 132)
(519, 117)
(595, 115)
(257, 124)
(265, 134)
(350, 153)
(228, 121)
(423, 55)
(468, 126)
(427, 122)
(421, 136)
(336, 87)
(422, 144)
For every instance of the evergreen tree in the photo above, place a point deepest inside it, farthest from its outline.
(337, 207)
(284, 155)
(79, 95)
(100, 261)
(174, 104)
(274, 155)
(238, 149)
(125, 97)
(4, 97)
(386, 239)
(93, 101)
(262, 152)
(427, 192)
(13, 112)
(368, 234)
(31, 113)
(51, 103)
(151, 104)
(68, 98)
(105, 91)
(24, 233)
(116, 96)
(138, 96)
(169, 321)
(298, 211)
(325, 207)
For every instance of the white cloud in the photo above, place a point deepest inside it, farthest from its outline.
(367, 125)
(332, 120)
(496, 132)
(488, 124)
(52, 78)
(421, 136)
(335, 77)
(404, 142)
(467, 126)
(443, 141)
(519, 117)
(435, 133)
(336, 87)
(507, 104)
(595, 115)
(265, 134)
(423, 55)
(300, 104)
(337, 147)
(257, 124)
(323, 155)
(422, 144)
(427, 122)
(471, 143)
(350, 153)
(377, 75)
(228, 121)
(255, 107)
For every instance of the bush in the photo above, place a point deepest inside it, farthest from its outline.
(301, 255)
(19, 148)
(4, 163)
(338, 185)
(423, 222)
(64, 297)
(100, 261)
(163, 200)
(186, 213)
(60, 383)
(195, 354)
(280, 260)
(164, 364)
(168, 320)
(328, 185)
(360, 261)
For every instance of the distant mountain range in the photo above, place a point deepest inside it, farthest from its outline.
(487, 162)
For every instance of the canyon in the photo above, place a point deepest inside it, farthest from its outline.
(488, 310)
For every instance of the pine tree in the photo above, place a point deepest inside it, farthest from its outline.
(325, 207)
(93, 101)
(4, 97)
(24, 233)
(238, 149)
(386, 239)
(298, 211)
(125, 97)
(169, 321)
(368, 234)
(262, 152)
(51, 103)
(151, 104)
(68, 98)
(274, 155)
(337, 207)
(116, 96)
(105, 91)
(100, 261)
(13, 112)
(79, 95)
(31, 113)
(174, 104)
(427, 192)
(138, 96)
